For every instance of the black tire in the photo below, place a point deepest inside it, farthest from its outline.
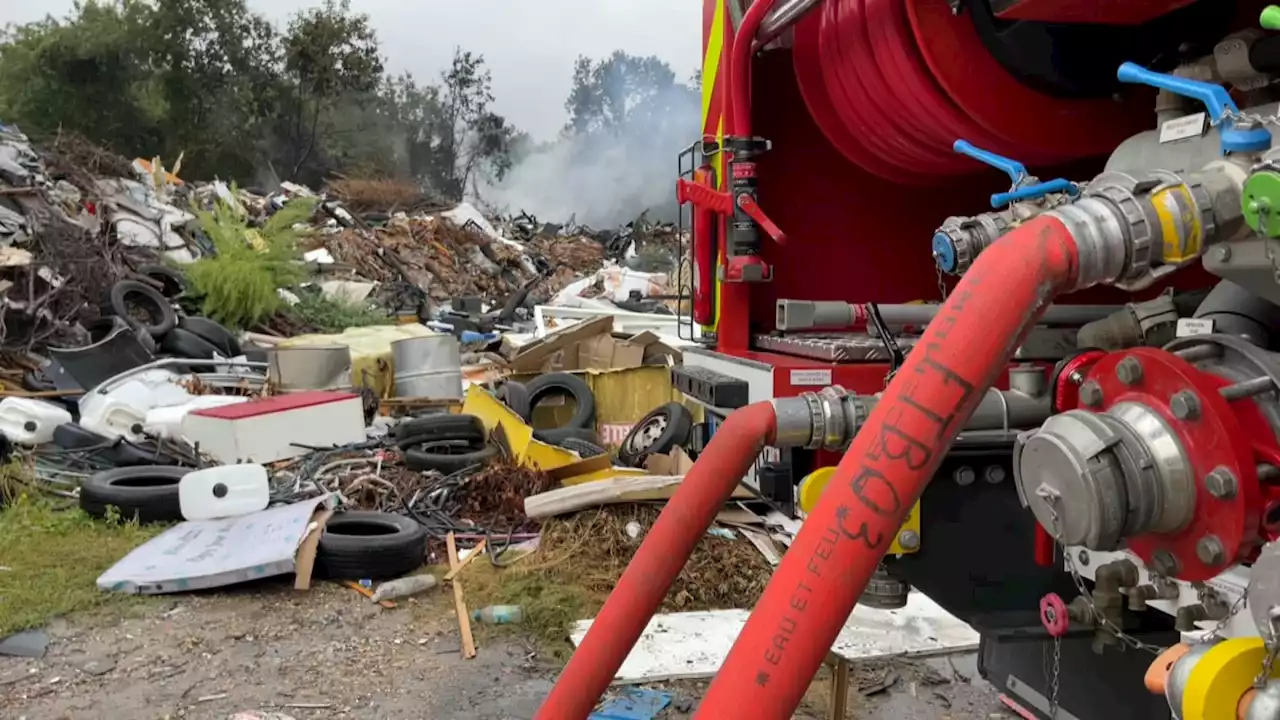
(186, 344)
(545, 386)
(174, 283)
(516, 397)
(359, 545)
(444, 426)
(213, 333)
(129, 294)
(149, 493)
(557, 436)
(448, 459)
(70, 436)
(583, 448)
(658, 433)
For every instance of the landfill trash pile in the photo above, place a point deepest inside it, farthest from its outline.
(344, 384)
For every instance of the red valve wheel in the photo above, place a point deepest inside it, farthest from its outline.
(1053, 615)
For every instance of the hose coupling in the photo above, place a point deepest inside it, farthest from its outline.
(825, 420)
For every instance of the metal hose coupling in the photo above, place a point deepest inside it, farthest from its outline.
(1133, 232)
(826, 420)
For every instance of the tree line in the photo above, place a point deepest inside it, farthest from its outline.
(241, 99)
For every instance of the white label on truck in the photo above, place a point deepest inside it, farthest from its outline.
(820, 378)
(1188, 327)
(1183, 128)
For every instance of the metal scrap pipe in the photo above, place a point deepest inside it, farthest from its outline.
(837, 315)
(663, 554)
(787, 13)
(892, 458)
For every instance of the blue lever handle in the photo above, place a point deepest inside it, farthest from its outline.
(1039, 190)
(1016, 171)
(1215, 99)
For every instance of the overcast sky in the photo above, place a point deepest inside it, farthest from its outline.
(529, 46)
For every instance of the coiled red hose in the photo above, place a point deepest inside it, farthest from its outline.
(895, 104)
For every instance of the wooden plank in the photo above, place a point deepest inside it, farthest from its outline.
(388, 604)
(763, 543)
(839, 689)
(459, 604)
(305, 559)
(566, 500)
(478, 551)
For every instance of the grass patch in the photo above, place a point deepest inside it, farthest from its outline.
(327, 314)
(53, 556)
(579, 561)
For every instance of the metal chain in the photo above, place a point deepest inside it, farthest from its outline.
(1236, 116)
(1269, 243)
(942, 283)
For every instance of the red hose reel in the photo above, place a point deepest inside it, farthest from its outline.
(894, 83)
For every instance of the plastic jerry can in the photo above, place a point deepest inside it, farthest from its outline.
(30, 422)
(223, 492)
(113, 418)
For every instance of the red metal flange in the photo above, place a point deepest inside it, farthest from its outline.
(1216, 438)
(1067, 381)
(1053, 615)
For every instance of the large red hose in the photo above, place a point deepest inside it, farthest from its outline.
(661, 557)
(739, 122)
(894, 83)
(963, 351)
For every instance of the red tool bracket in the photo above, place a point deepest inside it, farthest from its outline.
(721, 203)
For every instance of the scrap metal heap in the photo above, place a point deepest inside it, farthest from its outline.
(1145, 460)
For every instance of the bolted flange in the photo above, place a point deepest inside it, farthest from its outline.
(1210, 551)
(1185, 405)
(1129, 371)
(1221, 484)
(1091, 393)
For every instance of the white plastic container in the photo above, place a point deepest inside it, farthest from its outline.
(112, 417)
(30, 422)
(223, 492)
(166, 422)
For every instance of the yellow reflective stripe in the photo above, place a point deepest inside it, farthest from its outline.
(711, 61)
(1176, 210)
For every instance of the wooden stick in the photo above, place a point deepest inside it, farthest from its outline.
(390, 605)
(460, 605)
(478, 551)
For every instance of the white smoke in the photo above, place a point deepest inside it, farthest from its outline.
(607, 177)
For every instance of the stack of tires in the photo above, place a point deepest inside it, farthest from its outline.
(149, 310)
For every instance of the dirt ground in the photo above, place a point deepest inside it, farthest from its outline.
(330, 653)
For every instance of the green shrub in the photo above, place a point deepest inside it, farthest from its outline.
(238, 287)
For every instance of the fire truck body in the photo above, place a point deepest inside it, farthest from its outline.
(1064, 383)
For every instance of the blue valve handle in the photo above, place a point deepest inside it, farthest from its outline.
(1017, 172)
(1039, 190)
(1215, 99)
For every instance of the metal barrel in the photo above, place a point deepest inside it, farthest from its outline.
(313, 367)
(428, 367)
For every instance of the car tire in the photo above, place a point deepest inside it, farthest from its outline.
(583, 448)
(213, 333)
(430, 428)
(148, 494)
(448, 459)
(359, 545)
(516, 397)
(557, 436)
(545, 386)
(174, 283)
(657, 433)
(127, 292)
(186, 344)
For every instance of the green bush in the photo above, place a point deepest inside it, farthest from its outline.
(238, 287)
(331, 315)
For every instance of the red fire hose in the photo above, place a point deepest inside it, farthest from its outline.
(894, 455)
(661, 557)
(738, 121)
(894, 83)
